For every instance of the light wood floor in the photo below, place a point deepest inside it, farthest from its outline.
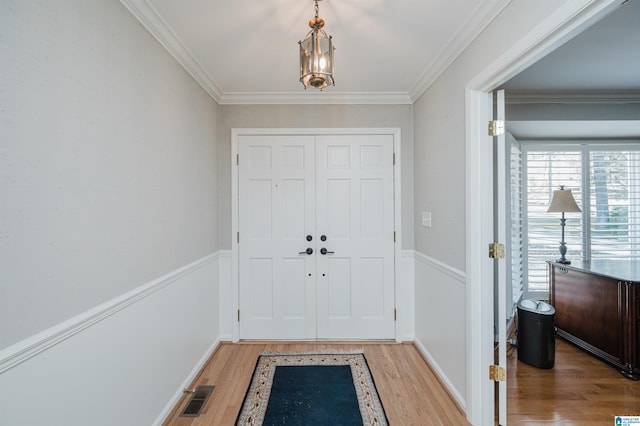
(409, 390)
(579, 390)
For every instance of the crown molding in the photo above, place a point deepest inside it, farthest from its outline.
(477, 22)
(572, 97)
(315, 97)
(151, 20)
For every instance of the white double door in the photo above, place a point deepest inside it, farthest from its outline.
(316, 237)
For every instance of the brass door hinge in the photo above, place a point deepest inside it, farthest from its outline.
(497, 373)
(496, 128)
(496, 251)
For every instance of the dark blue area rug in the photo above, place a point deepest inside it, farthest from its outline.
(312, 389)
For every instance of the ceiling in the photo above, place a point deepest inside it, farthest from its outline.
(599, 65)
(605, 57)
(387, 51)
(246, 51)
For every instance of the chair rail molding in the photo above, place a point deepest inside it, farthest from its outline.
(34, 345)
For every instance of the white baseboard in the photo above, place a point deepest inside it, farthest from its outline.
(441, 375)
(164, 414)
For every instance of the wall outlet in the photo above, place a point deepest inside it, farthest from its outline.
(426, 219)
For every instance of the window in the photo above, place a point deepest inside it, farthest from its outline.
(614, 204)
(607, 177)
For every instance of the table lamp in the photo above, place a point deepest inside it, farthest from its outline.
(563, 201)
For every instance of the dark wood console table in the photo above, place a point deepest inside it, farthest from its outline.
(597, 306)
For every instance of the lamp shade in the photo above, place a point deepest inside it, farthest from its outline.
(563, 201)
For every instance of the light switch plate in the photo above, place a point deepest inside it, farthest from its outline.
(426, 219)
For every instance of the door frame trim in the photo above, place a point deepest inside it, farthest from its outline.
(397, 193)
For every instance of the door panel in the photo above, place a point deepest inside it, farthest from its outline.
(338, 209)
(292, 291)
(260, 287)
(339, 287)
(355, 211)
(373, 297)
(276, 188)
(372, 211)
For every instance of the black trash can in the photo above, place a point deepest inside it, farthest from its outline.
(536, 333)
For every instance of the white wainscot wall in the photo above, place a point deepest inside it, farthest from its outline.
(123, 363)
(440, 322)
(405, 296)
(228, 303)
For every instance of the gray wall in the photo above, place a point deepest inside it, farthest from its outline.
(108, 174)
(313, 116)
(439, 117)
(445, 325)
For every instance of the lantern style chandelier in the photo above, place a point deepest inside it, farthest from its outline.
(316, 56)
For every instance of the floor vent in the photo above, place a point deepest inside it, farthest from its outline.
(198, 399)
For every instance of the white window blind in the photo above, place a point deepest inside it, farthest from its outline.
(545, 171)
(607, 176)
(614, 200)
(516, 229)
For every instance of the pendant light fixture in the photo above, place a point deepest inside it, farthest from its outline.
(316, 56)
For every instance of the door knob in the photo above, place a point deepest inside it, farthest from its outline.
(325, 251)
(323, 238)
(307, 251)
(309, 238)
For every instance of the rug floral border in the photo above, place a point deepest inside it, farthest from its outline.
(256, 399)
